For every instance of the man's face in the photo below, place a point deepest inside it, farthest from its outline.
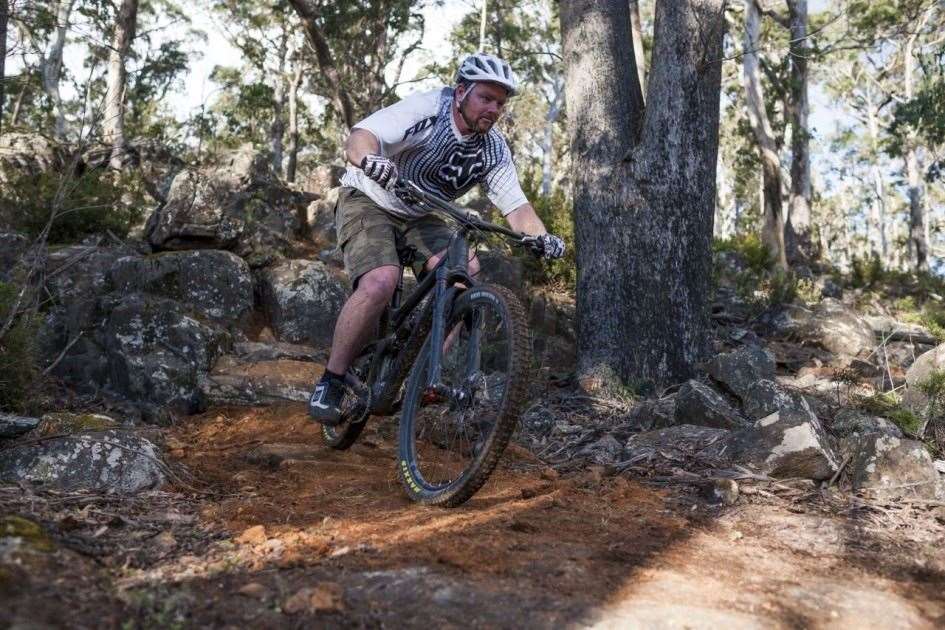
(483, 105)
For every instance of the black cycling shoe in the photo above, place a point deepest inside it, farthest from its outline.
(324, 405)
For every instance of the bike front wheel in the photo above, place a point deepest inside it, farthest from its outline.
(451, 437)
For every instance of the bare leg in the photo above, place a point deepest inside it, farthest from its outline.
(360, 314)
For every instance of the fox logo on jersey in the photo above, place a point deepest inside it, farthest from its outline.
(463, 167)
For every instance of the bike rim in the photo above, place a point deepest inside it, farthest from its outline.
(451, 433)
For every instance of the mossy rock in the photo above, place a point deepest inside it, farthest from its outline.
(59, 423)
(30, 533)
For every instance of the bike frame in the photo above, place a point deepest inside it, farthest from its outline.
(395, 329)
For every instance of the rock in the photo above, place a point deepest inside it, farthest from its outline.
(701, 405)
(239, 206)
(737, 370)
(320, 217)
(783, 321)
(839, 329)
(302, 299)
(891, 468)
(232, 382)
(677, 444)
(653, 413)
(498, 268)
(214, 283)
(157, 352)
(325, 597)
(12, 248)
(252, 351)
(900, 354)
(59, 423)
(724, 491)
(254, 590)
(914, 399)
(889, 329)
(853, 422)
(323, 179)
(28, 154)
(606, 450)
(13, 426)
(764, 397)
(828, 288)
(103, 461)
(788, 443)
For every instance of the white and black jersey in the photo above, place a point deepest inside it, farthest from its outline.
(420, 136)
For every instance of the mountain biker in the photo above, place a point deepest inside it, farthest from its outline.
(444, 141)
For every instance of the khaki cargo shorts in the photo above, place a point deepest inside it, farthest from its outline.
(370, 237)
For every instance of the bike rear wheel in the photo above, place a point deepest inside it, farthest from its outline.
(450, 442)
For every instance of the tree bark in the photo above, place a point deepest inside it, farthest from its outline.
(800, 243)
(555, 101)
(277, 128)
(113, 126)
(326, 63)
(52, 67)
(292, 152)
(4, 18)
(878, 211)
(773, 229)
(644, 189)
(636, 32)
(918, 241)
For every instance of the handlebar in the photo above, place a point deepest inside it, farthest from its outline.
(415, 197)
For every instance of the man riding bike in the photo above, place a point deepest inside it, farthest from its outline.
(444, 141)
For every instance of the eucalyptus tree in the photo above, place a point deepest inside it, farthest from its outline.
(645, 185)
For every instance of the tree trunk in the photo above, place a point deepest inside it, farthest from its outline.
(293, 148)
(547, 141)
(52, 67)
(773, 229)
(4, 17)
(636, 32)
(644, 189)
(918, 243)
(800, 243)
(878, 211)
(341, 99)
(277, 128)
(113, 126)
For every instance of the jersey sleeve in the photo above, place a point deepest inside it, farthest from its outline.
(502, 186)
(401, 125)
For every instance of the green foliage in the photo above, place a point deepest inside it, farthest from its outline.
(18, 373)
(906, 420)
(93, 203)
(749, 247)
(556, 213)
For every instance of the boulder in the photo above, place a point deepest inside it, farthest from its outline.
(783, 321)
(110, 460)
(736, 371)
(699, 404)
(890, 468)
(675, 444)
(653, 413)
(918, 375)
(788, 443)
(606, 450)
(254, 351)
(837, 328)
(216, 284)
(28, 154)
(901, 354)
(302, 299)
(853, 422)
(233, 382)
(889, 329)
(156, 352)
(12, 426)
(501, 269)
(320, 217)
(239, 206)
(764, 397)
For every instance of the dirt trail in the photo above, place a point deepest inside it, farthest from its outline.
(298, 535)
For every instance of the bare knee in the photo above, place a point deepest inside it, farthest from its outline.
(474, 265)
(378, 285)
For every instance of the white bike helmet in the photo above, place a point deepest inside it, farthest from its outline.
(483, 67)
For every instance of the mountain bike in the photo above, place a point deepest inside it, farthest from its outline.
(452, 357)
